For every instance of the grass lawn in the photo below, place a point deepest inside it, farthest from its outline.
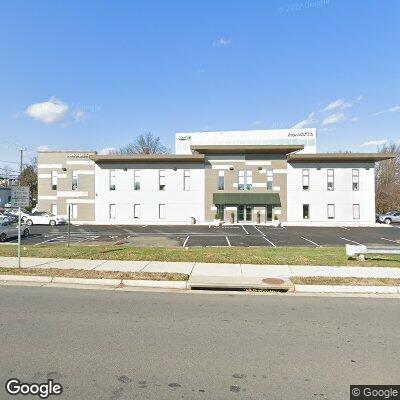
(81, 273)
(236, 255)
(322, 280)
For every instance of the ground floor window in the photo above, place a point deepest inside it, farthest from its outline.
(306, 211)
(111, 211)
(220, 212)
(54, 209)
(73, 209)
(136, 211)
(244, 213)
(356, 211)
(331, 211)
(161, 211)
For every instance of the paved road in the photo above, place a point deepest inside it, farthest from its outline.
(224, 236)
(146, 345)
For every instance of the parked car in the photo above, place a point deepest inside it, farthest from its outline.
(8, 216)
(10, 229)
(44, 218)
(389, 217)
(24, 213)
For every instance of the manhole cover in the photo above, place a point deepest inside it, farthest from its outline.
(273, 281)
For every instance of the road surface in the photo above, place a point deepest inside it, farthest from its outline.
(147, 345)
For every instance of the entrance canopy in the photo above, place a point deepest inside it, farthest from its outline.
(261, 199)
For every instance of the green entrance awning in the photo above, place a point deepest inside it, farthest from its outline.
(247, 198)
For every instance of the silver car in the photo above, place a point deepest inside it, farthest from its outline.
(10, 229)
(389, 217)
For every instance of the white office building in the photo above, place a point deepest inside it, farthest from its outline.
(242, 177)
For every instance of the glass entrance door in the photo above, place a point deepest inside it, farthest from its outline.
(245, 213)
(268, 213)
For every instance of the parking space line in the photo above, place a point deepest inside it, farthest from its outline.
(262, 233)
(265, 238)
(247, 233)
(348, 240)
(389, 240)
(308, 240)
(184, 243)
(229, 243)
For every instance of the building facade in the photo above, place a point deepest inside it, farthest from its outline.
(236, 177)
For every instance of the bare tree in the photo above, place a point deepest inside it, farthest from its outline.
(387, 180)
(144, 144)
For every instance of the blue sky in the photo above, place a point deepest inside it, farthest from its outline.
(110, 70)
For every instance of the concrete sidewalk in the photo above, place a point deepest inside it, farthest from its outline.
(199, 271)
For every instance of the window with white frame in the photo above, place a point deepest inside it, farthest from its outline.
(136, 211)
(306, 179)
(331, 211)
(186, 179)
(330, 179)
(73, 209)
(161, 179)
(136, 179)
(161, 211)
(111, 211)
(54, 209)
(74, 185)
(245, 180)
(355, 175)
(270, 180)
(112, 179)
(356, 211)
(221, 180)
(53, 180)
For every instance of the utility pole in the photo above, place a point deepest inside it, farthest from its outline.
(19, 211)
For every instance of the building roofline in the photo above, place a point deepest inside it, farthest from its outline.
(335, 157)
(110, 158)
(67, 151)
(245, 149)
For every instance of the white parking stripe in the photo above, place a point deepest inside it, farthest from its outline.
(264, 237)
(348, 240)
(389, 240)
(229, 243)
(184, 243)
(308, 240)
(262, 233)
(247, 233)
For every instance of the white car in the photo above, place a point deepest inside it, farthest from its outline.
(44, 218)
(10, 229)
(24, 213)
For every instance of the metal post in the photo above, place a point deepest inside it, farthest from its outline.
(69, 224)
(19, 212)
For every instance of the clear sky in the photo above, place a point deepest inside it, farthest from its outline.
(107, 71)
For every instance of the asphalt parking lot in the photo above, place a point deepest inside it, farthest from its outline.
(204, 235)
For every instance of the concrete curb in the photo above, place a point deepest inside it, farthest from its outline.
(346, 289)
(95, 282)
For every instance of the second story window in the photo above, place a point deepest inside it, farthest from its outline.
(270, 180)
(74, 185)
(136, 179)
(186, 179)
(245, 180)
(221, 180)
(330, 179)
(355, 179)
(112, 179)
(161, 179)
(306, 179)
(53, 180)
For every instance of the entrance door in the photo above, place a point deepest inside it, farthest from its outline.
(268, 213)
(245, 213)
